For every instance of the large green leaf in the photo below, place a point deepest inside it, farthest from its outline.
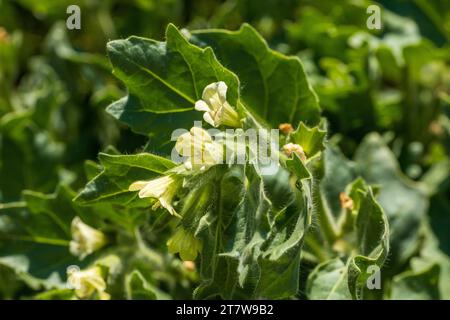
(434, 249)
(338, 173)
(23, 148)
(329, 281)
(311, 139)
(404, 203)
(420, 285)
(156, 125)
(164, 77)
(370, 237)
(35, 235)
(274, 86)
(119, 172)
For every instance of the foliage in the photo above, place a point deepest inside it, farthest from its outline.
(94, 206)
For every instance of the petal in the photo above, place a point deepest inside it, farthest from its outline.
(168, 207)
(74, 248)
(147, 193)
(207, 117)
(222, 90)
(155, 188)
(188, 165)
(138, 185)
(201, 105)
(183, 144)
(216, 103)
(209, 91)
(200, 135)
(104, 296)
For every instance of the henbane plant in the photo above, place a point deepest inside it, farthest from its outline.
(247, 232)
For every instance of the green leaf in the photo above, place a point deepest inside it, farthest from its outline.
(296, 166)
(310, 139)
(422, 285)
(119, 172)
(58, 41)
(435, 248)
(371, 235)
(335, 173)
(369, 239)
(35, 237)
(167, 76)
(251, 248)
(56, 294)
(22, 151)
(372, 238)
(274, 86)
(338, 173)
(42, 93)
(404, 203)
(137, 288)
(329, 281)
(434, 179)
(158, 126)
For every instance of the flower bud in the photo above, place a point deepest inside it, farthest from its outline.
(290, 148)
(286, 128)
(184, 243)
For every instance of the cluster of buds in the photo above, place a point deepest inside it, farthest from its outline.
(291, 148)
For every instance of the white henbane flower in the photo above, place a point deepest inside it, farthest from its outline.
(200, 150)
(164, 189)
(85, 239)
(216, 107)
(87, 282)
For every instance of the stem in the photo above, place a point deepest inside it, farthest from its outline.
(317, 249)
(13, 205)
(326, 221)
(42, 240)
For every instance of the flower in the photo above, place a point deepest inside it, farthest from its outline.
(346, 201)
(87, 282)
(85, 239)
(185, 243)
(217, 109)
(164, 189)
(200, 150)
(290, 148)
(286, 128)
